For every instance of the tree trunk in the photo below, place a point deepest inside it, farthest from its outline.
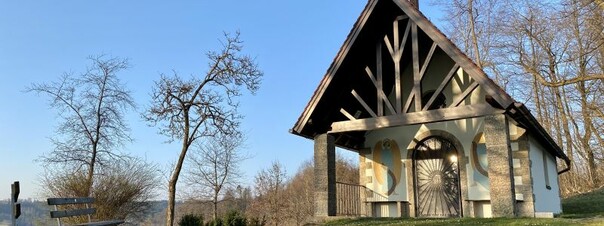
(471, 19)
(583, 88)
(215, 202)
(567, 133)
(90, 171)
(175, 174)
(171, 199)
(587, 134)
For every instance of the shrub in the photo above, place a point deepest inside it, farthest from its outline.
(234, 218)
(254, 221)
(191, 220)
(215, 222)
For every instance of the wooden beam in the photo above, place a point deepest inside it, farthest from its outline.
(348, 115)
(437, 115)
(417, 80)
(71, 213)
(397, 72)
(362, 102)
(442, 86)
(400, 18)
(396, 40)
(465, 94)
(378, 65)
(381, 95)
(399, 92)
(389, 46)
(405, 36)
(396, 53)
(427, 61)
(65, 201)
(408, 102)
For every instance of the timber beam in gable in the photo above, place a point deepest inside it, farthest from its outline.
(437, 115)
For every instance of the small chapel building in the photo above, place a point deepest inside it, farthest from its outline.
(435, 136)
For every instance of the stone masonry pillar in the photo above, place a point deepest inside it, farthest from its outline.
(325, 176)
(499, 156)
(363, 182)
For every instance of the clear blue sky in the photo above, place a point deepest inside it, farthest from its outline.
(294, 43)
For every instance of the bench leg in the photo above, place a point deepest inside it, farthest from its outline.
(58, 219)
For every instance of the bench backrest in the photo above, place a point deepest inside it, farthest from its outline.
(65, 201)
(72, 212)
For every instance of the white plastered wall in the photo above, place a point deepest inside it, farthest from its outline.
(464, 130)
(546, 200)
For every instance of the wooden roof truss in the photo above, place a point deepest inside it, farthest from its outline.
(401, 112)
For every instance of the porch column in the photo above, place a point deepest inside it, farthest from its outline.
(499, 156)
(325, 176)
(365, 208)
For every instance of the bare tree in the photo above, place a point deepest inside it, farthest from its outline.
(558, 50)
(270, 199)
(214, 166)
(300, 189)
(190, 109)
(300, 195)
(552, 55)
(237, 198)
(92, 106)
(346, 170)
(473, 25)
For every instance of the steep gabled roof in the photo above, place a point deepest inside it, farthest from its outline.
(374, 21)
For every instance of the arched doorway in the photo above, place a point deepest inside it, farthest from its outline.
(436, 175)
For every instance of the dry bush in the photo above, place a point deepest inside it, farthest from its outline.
(122, 191)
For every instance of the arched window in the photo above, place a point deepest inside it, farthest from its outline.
(479, 155)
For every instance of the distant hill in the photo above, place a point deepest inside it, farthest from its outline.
(32, 213)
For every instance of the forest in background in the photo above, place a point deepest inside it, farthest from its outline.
(550, 56)
(274, 199)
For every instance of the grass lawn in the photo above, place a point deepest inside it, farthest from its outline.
(585, 209)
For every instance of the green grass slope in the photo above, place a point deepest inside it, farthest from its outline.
(588, 205)
(585, 209)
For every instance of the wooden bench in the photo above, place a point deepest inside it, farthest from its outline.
(87, 201)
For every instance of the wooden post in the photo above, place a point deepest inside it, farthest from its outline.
(14, 203)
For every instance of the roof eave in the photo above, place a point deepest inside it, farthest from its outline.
(531, 122)
(333, 68)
